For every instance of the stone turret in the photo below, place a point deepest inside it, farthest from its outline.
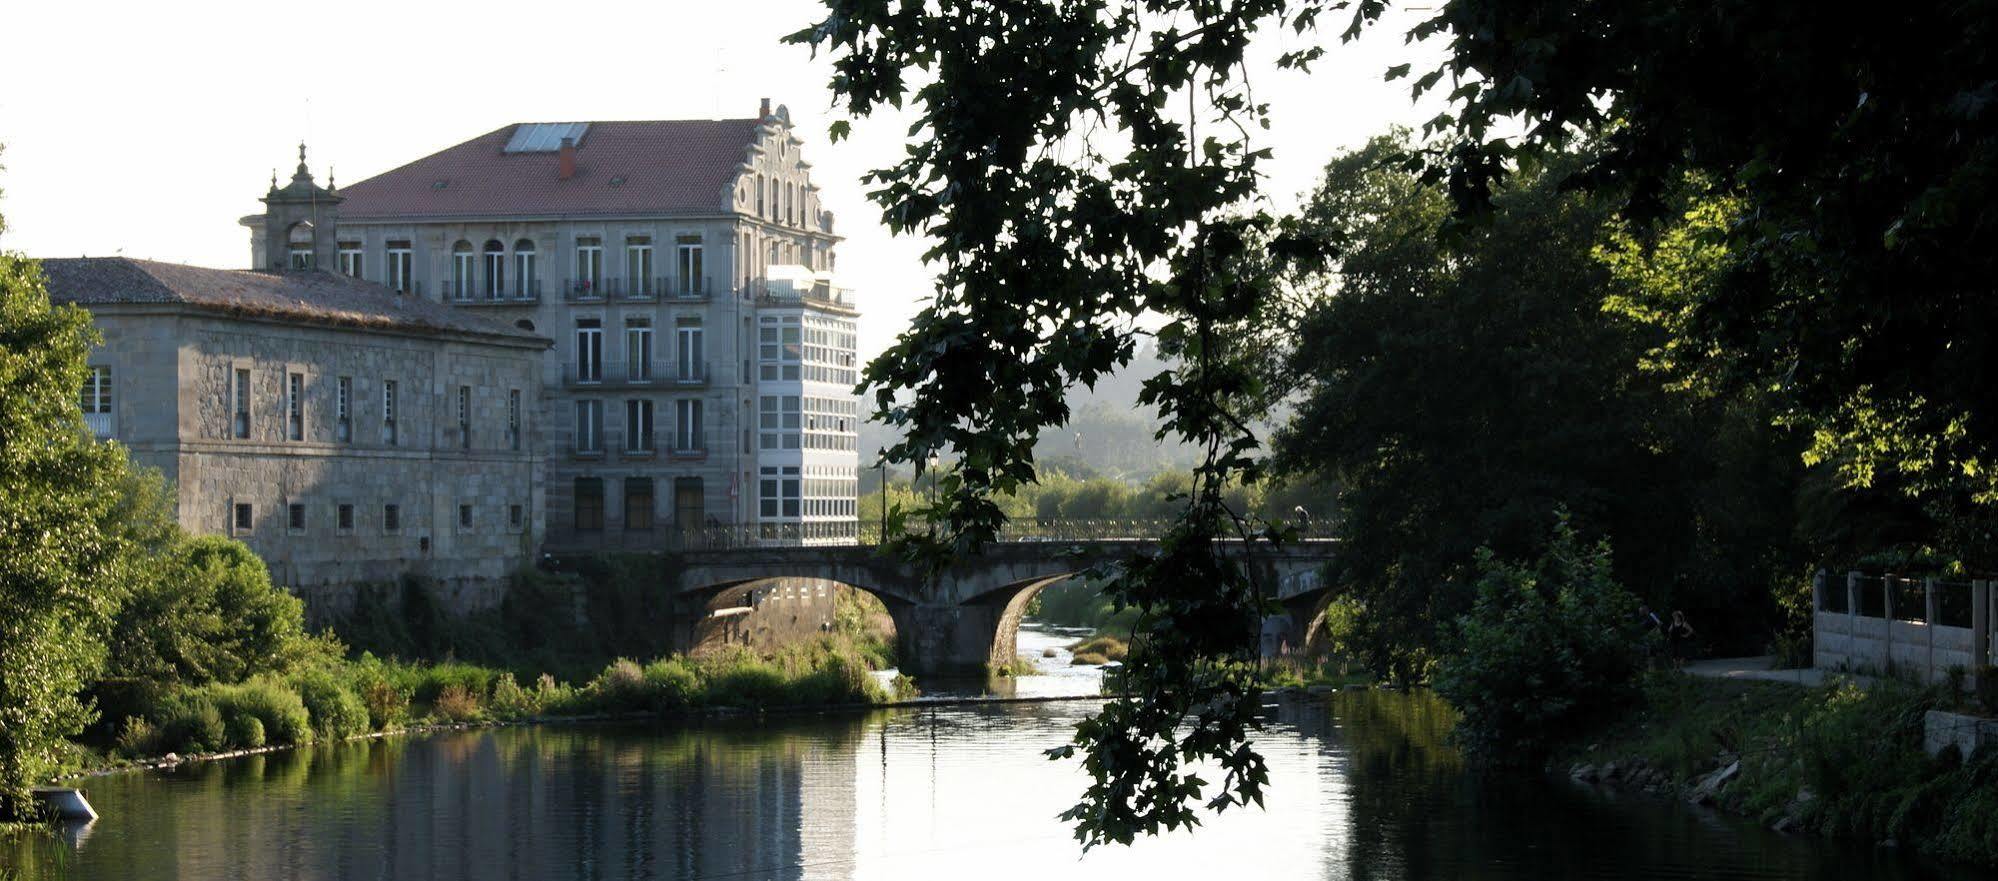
(300, 224)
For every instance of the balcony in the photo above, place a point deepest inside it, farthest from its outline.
(665, 376)
(516, 294)
(638, 445)
(801, 292)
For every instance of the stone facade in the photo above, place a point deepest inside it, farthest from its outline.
(309, 469)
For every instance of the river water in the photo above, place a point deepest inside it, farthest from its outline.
(1364, 786)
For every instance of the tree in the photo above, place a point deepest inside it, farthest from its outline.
(1461, 387)
(1050, 241)
(1861, 152)
(59, 497)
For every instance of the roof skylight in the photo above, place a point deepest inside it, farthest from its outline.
(544, 137)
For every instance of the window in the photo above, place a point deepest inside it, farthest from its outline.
(638, 264)
(687, 425)
(692, 364)
(391, 518)
(495, 286)
(638, 426)
(298, 240)
(766, 493)
(242, 410)
(388, 412)
(464, 516)
(589, 426)
(638, 503)
(589, 504)
(514, 516)
(350, 259)
(294, 517)
(777, 417)
(779, 349)
(791, 507)
(589, 350)
(692, 274)
(638, 349)
(526, 284)
(245, 519)
(465, 417)
(513, 418)
(589, 266)
(462, 262)
(777, 492)
(759, 195)
(96, 400)
(343, 409)
(397, 275)
(343, 517)
(294, 406)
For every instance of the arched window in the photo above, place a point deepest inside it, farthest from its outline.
(527, 284)
(298, 244)
(495, 269)
(462, 262)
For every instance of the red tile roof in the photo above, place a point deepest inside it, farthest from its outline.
(680, 166)
(315, 297)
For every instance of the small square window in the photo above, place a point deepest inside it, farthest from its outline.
(294, 517)
(344, 516)
(464, 516)
(391, 518)
(244, 517)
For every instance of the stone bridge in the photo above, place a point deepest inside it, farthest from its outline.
(969, 615)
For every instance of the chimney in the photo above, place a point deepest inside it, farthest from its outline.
(765, 112)
(566, 159)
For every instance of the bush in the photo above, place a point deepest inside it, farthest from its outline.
(336, 713)
(1104, 646)
(206, 611)
(509, 701)
(674, 683)
(138, 738)
(244, 731)
(279, 711)
(1547, 646)
(190, 723)
(387, 705)
(457, 704)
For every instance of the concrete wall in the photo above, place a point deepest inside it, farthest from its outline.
(1908, 643)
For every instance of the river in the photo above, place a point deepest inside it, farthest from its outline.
(1364, 786)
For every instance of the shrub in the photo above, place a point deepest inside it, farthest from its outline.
(190, 723)
(336, 713)
(1104, 646)
(138, 738)
(1546, 647)
(281, 714)
(387, 705)
(206, 611)
(433, 681)
(1089, 658)
(457, 704)
(674, 684)
(510, 701)
(244, 731)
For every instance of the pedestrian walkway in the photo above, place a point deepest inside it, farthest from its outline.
(1760, 669)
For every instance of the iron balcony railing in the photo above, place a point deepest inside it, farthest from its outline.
(656, 374)
(781, 294)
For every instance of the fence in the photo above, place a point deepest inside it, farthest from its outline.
(1889, 625)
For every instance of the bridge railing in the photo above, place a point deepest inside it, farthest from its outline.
(724, 536)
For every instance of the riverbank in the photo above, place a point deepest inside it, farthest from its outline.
(1833, 760)
(348, 699)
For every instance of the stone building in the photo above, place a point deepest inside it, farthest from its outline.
(700, 384)
(346, 434)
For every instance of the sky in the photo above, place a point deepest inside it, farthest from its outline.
(148, 129)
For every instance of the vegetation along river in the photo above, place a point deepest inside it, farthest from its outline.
(1364, 786)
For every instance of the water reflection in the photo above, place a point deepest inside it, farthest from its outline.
(1365, 787)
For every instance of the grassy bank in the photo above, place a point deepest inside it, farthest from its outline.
(1833, 760)
(340, 699)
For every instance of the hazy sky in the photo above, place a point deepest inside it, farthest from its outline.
(149, 128)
